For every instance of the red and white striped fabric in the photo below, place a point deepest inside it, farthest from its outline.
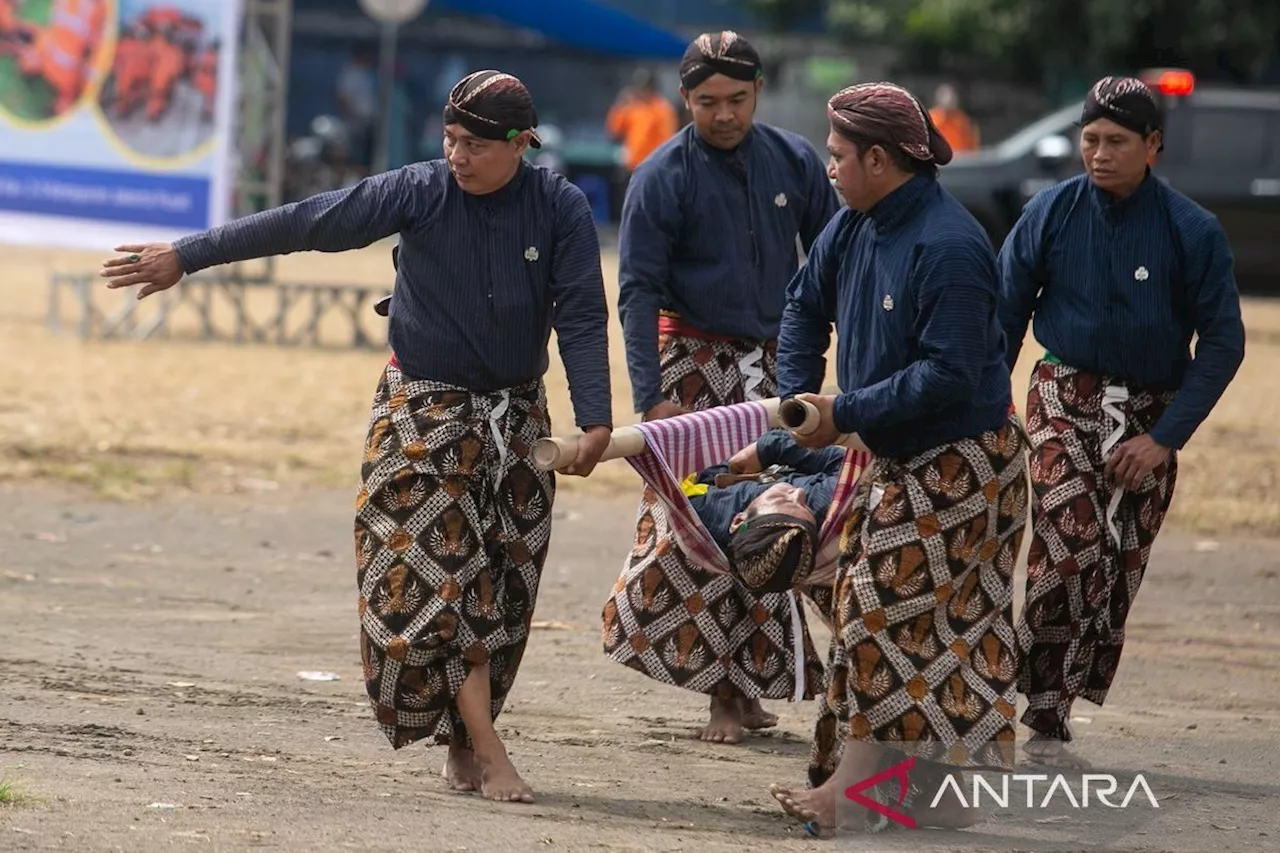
(687, 443)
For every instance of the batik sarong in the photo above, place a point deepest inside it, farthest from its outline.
(710, 633)
(923, 656)
(452, 527)
(1090, 539)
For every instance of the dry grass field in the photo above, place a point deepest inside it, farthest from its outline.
(134, 419)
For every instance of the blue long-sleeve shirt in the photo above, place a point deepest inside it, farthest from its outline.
(711, 235)
(911, 287)
(816, 472)
(481, 280)
(1118, 287)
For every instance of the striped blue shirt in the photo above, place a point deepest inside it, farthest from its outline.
(711, 235)
(911, 287)
(1118, 287)
(482, 279)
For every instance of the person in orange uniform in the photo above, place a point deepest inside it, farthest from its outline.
(205, 76)
(168, 63)
(61, 52)
(641, 119)
(955, 126)
(132, 65)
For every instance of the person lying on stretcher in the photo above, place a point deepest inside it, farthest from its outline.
(765, 506)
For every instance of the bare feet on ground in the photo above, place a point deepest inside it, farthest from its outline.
(812, 806)
(755, 717)
(1050, 752)
(725, 725)
(499, 780)
(460, 769)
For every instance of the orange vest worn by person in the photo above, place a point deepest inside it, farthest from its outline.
(956, 128)
(642, 125)
(61, 50)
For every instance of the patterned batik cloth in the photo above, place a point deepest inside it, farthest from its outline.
(923, 657)
(452, 527)
(1090, 540)
(711, 634)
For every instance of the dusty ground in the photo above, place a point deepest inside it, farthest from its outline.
(175, 523)
(150, 655)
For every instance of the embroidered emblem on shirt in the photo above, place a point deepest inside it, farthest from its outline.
(780, 199)
(887, 304)
(531, 254)
(1141, 274)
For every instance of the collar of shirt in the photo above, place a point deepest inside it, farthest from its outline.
(1115, 209)
(507, 193)
(899, 206)
(735, 156)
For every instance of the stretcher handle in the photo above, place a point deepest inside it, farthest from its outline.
(801, 417)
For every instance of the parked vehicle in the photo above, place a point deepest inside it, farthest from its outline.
(1222, 149)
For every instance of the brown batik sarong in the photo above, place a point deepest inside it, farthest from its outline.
(677, 622)
(1090, 540)
(452, 527)
(923, 656)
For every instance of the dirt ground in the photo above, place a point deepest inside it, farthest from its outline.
(150, 698)
(175, 548)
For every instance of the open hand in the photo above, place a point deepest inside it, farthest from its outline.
(154, 265)
(826, 433)
(591, 446)
(1134, 459)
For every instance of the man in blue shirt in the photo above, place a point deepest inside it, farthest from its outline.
(707, 244)
(453, 519)
(924, 652)
(1119, 270)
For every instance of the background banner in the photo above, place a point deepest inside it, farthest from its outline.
(116, 119)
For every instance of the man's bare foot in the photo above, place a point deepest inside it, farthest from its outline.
(755, 717)
(725, 725)
(815, 808)
(499, 780)
(460, 769)
(1045, 750)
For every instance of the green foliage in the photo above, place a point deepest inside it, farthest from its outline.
(1052, 37)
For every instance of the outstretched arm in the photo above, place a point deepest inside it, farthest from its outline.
(336, 221)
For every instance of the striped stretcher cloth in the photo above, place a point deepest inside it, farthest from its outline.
(686, 443)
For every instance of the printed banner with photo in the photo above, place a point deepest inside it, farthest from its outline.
(115, 119)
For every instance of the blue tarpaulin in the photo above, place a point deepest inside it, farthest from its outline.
(584, 24)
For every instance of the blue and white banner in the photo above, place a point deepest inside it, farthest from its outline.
(116, 119)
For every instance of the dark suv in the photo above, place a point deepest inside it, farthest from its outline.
(1222, 149)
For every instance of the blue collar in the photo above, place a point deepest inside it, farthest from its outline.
(903, 203)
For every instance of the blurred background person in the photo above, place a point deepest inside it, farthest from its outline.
(641, 119)
(952, 122)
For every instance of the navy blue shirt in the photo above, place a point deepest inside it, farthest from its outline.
(711, 235)
(481, 279)
(911, 287)
(1118, 287)
(816, 472)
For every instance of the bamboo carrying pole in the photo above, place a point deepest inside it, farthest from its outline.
(798, 416)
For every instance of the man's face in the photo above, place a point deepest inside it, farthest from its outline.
(481, 166)
(1115, 157)
(722, 109)
(783, 499)
(857, 175)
